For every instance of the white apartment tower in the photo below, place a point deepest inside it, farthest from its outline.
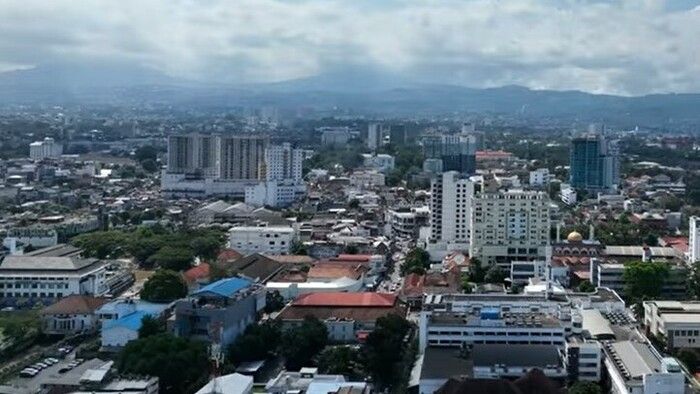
(193, 153)
(282, 162)
(450, 212)
(694, 240)
(510, 225)
(374, 136)
(48, 148)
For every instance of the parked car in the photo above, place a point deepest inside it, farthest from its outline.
(28, 373)
(65, 369)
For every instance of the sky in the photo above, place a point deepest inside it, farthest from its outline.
(625, 47)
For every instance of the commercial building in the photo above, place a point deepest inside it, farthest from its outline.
(193, 154)
(283, 163)
(595, 163)
(568, 195)
(51, 273)
(349, 317)
(234, 383)
(677, 323)
(71, 315)
(540, 177)
(274, 193)
(694, 239)
(450, 214)
(407, 223)
(242, 156)
(48, 148)
(611, 275)
(268, 239)
(508, 226)
(334, 136)
(367, 179)
(375, 137)
(382, 162)
(218, 312)
(634, 366)
(456, 152)
(398, 134)
(37, 237)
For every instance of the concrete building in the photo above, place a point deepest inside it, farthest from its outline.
(274, 193)
(219, 312)
(677, 323)
(635, 367)
(37, 237)
(51, 273)
(234, 383)
(450, 214)
(375, 137)
(367, 179)
(611, 275)
(334, 136)
(456, 152)
(540, 177)
(694, 239)
(268, 239)
(283, 163)
(308, 380)
(382, 162)
(242, 156)
(509, 225)
(71, 315)
(46, 149)
(193, 154)
(398, 134)
(121, 320)
(595, 163)
(407, 223)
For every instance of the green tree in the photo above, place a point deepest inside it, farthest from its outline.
(417, 261)
(301, 344)
(102, 244)
(164, 286)
(298, 248)
(273, 301)
(644, 280)
(149, 165)
(172, 258)
(583, 387)
(351, 249)
(257, 343)
(693, 284)
(341, 360)
(689, 358)
(476, 271)
(180, 365)
(150, 326)
(585, 287)
(144, 153)
(206, 247)
(385, 348)
(494, 274)
(467, 287)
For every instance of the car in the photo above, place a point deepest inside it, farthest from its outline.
(41, 365)
(55, 360)
(28, 373)
(65, 369)
(49, 361)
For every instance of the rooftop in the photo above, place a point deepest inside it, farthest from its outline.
(74, 304)
(515, 355)
(224, 287)
(366, 299)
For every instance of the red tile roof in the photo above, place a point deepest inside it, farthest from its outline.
(331, 270)
(352, 257)
(74, 305)
(200, 271)
(227, 255)
(366, 299)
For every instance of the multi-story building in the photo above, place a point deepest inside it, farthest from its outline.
(398, 134)
(334, 136)
(367, 179)
(381, 162)
(274, 193)
(219, 312)
(51, 273)
(455, 152)
(48, 148)
(677, 323)
(242, 156)
(540, 177)
(282, 163)
(611, 275)
(37, 237)
(268, 239)
(595, 163)
(635, 367)
(407, 222)
(450, 214)
(509, 225)
(694, 239)
(375, 136)
(193, 154)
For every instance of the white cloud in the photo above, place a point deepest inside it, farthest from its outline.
(624, 47)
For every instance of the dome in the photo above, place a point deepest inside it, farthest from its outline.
(574, 236)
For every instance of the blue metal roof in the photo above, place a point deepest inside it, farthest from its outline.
(131, 321)
(224, 287)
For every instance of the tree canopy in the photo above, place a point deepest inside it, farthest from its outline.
(341, 360)
(385, 348)
(644, 280)
(494, 274)
(164, 286)
(178, 363)
(302, 343)
(256, 343)
(583, 387)
(417, 261)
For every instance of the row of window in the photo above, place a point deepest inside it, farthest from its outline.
(34, 285)
(492, 333)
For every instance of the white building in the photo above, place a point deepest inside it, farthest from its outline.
(48, 148)
(677, 322)
(269, 239)
(291, 290)
(38, 237)
(694, 240)
(635, 367)
(568, 195)
(509, 225)
(367, 179)
(51, 273)
(374, 136)
(283, 163)
(382, 162)
(121, 319)
(540, 177)
(274, 193)
(450, 214)
(234, 383)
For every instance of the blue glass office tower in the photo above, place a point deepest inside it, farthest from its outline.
(594, 164)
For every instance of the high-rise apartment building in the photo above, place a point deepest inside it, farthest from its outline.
(282, 162)
(374, 136)
(193, 154)
(242, 156)
(398, 134)
(694, 240)
(595, 163)
(48, 148)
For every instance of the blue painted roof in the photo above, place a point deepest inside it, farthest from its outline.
(225, 287)
(131, 321)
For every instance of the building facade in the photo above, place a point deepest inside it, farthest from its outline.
(694, 239)
(48, 148)
(595, 163)
(450, 214)
(269, 239)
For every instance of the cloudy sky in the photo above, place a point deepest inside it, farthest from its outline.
(625, 47)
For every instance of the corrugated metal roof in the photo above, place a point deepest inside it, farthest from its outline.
(596, 324)
(225, 287)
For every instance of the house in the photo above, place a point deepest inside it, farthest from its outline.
(218, 312)
(121, 320)
(256, 267)
(197, 276)
(308, 380)
(71, 315)
(349, 317)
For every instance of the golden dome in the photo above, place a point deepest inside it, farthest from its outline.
(574, 236)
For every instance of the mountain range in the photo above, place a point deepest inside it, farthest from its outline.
(369, 91)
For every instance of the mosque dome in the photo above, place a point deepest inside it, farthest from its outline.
(574, 236)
